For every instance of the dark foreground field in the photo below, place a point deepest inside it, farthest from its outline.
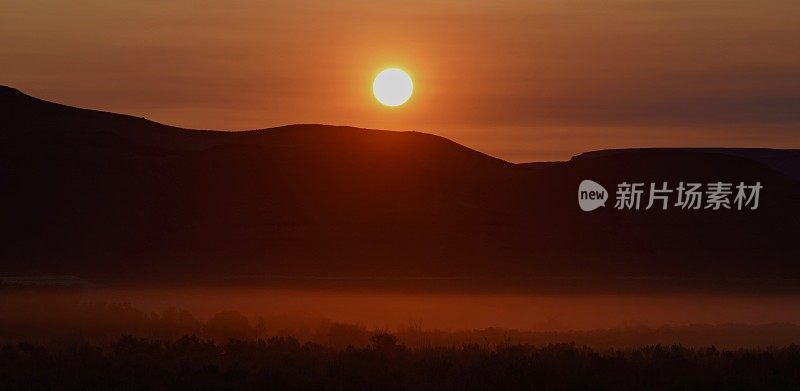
(59, 342)
(285, 363)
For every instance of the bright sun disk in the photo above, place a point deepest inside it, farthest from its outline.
(392, 87)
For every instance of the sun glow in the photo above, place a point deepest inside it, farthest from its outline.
(392, 87)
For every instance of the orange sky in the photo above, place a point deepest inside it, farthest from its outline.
(521, 80)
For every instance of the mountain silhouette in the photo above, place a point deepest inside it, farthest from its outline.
(106, 196)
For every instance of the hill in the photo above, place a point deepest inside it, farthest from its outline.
(107, 196)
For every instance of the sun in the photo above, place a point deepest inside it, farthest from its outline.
(392, 87)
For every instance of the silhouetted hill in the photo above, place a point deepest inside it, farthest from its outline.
(785, 161)
(104, 195)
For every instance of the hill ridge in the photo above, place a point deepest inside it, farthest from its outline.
(127, 198)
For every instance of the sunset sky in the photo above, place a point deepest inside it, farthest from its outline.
(521, 80)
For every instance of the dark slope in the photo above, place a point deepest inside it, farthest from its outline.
(106, 195)
(94, 195)
(785, 161)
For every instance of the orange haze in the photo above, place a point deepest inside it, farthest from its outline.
(519, 80)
